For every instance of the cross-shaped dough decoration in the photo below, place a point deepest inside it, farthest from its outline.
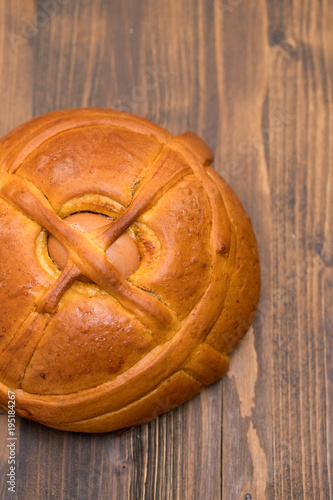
(86, 253)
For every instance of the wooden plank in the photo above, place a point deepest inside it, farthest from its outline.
(301, 164)
(243, 78)
(282, 138)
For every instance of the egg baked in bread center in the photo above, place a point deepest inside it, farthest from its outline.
(128, 270)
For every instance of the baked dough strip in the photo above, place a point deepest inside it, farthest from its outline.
(86, 256)
(157, 181)
(13, 153)
(30, 200)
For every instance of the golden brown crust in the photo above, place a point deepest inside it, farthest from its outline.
(243, 294)
(101, 356)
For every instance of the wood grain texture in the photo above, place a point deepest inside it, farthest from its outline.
(254, 79)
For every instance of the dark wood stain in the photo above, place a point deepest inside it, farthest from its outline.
(254, 79)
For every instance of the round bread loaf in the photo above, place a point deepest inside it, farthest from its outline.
(128, 270)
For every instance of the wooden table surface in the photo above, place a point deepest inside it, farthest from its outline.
(254, 79)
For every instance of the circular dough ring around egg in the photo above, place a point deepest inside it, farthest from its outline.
(99, 356)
